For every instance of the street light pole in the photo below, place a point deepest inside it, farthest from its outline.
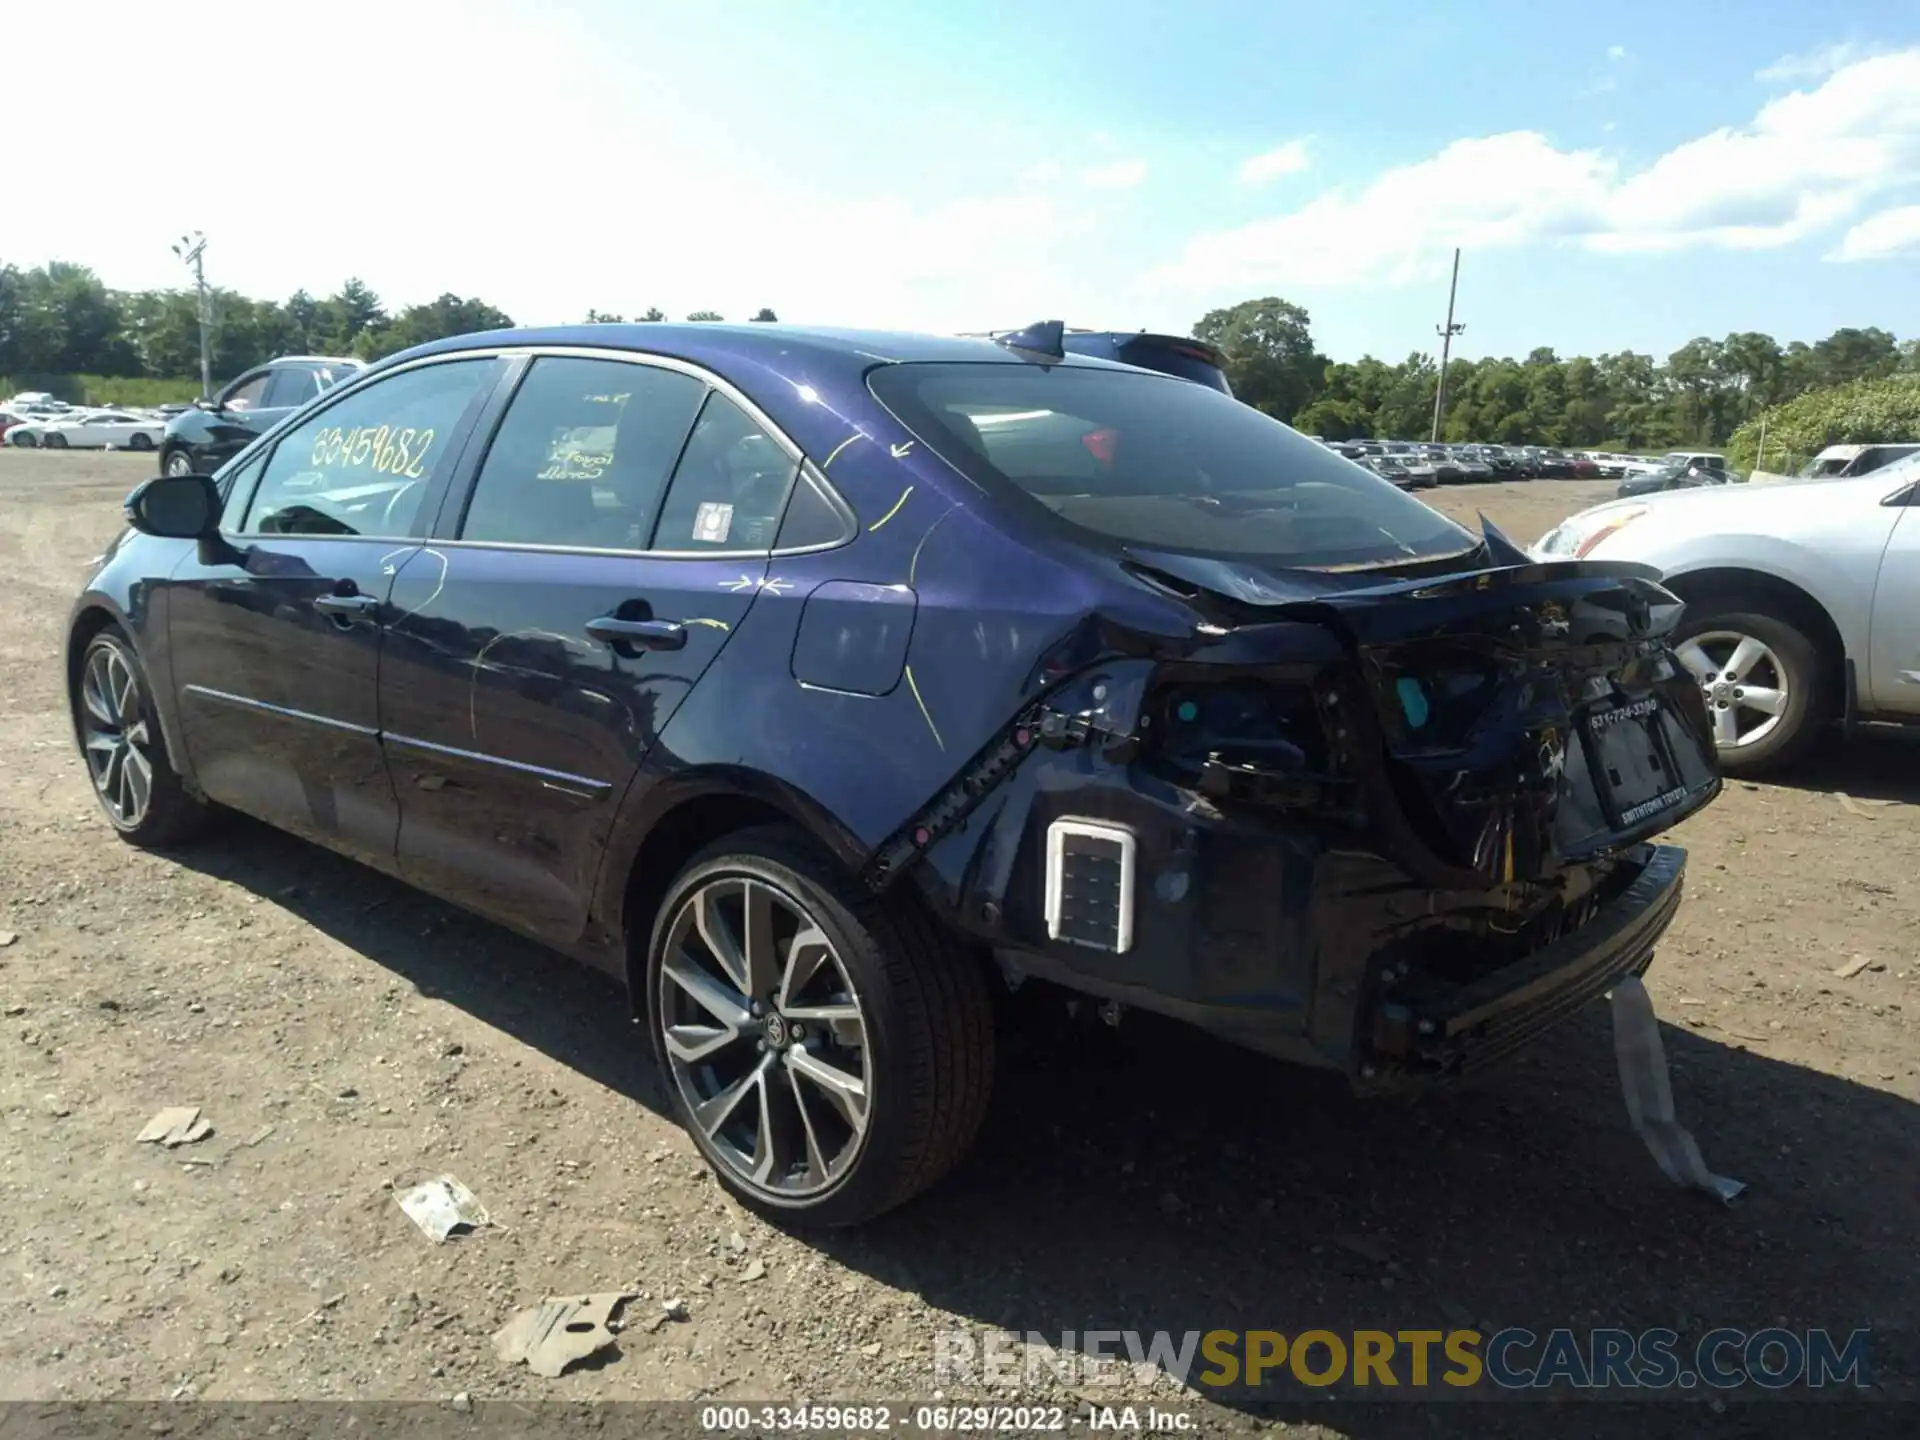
(1446, 333)
(190, 249)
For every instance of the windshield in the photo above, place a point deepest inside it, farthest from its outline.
(1149, 461)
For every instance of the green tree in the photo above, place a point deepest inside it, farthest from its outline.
(436, 320)
(1270, 359)
(596, 317)
(706, 315)
(1850, 354)
(347, 323)
(653, 315)
(766, 315)
(303, 315)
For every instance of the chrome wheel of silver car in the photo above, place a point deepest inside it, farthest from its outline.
(766, 1037)
(115, 736)
(1745, 685)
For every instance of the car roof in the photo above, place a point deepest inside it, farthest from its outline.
(727, 349)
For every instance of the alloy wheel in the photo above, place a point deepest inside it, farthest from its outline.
(1745, 685)
(115, 736)
(178, 463)
(766, 1037)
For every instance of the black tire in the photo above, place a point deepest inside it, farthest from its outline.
(24, 441)
(139, 441)
(55, 441)
(929, 1034)
(176, 462)
(170, 816)
(1809, 701)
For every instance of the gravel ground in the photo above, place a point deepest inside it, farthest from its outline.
(349, 1038)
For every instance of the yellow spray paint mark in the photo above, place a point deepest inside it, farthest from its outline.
(857, 435)
(893, 512)
(925, 714)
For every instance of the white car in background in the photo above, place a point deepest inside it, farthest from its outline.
(92, 430)
(1803, 599)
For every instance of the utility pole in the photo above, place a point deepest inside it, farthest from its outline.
(1446, 333)
(190, 249)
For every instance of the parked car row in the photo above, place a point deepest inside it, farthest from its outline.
(1417, 464)
(38, 420)
(192, 439)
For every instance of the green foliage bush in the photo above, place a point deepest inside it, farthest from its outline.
(136, 390)
(1861, 413)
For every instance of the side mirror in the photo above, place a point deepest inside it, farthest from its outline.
(176, 507)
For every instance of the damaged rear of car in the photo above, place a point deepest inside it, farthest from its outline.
(1320, 771)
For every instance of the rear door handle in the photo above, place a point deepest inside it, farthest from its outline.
(647, 634)
(346, 605)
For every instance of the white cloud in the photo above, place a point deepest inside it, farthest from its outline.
(1043, 173)
(1807, 162)
(1117, 175)
(1479, 193)
(1891, 232)
(1815, 64)
(690, 215)
(1616, 52)
(1288, 159)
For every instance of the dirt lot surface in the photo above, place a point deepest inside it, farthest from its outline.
(349, 1038)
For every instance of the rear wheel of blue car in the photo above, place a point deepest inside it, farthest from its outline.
(830, 1053)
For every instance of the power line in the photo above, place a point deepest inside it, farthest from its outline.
(1446, 333)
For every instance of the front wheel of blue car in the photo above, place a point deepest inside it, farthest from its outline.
(126, 753)
(830, 1053)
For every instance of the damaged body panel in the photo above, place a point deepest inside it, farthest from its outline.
(1400, 834)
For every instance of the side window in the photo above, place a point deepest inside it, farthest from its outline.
(292, 387)
(730, 487)
(582, 455)
(812, 518)
(236, 489)
(362, 466)
(250, 395)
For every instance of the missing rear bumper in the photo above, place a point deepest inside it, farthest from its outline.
(1423, 1031)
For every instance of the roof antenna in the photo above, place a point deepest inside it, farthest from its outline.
(1048, 337)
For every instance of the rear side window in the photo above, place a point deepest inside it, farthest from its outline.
(731, 486)
(1150, 461)
(292, 387)
(363, 466)
(251, 394)
(582, 457)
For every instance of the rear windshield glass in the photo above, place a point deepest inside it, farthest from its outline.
(1154, 462)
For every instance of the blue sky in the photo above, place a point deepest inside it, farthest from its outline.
(1621, 176)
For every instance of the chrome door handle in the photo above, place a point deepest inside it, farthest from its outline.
(647, 634)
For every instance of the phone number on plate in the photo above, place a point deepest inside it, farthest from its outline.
(876, 1419)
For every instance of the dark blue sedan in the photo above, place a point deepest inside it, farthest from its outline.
(814, 683)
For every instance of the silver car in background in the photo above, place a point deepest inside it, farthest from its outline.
(1803, 600)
